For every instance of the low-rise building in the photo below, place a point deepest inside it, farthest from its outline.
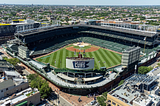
(14, 88)
(138, 90)
(27, 97)
(4, 65)
(11, 82)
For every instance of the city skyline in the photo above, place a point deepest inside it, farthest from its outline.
(83, 2)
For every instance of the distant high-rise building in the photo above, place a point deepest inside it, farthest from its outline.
(111, 9)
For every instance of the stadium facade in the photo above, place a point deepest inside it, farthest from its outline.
(7, 30)
(42, 41)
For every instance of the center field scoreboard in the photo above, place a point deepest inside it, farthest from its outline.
(80, 63)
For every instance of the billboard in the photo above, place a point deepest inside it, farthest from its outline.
(83, 64)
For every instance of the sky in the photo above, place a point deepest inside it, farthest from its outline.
(83, 2)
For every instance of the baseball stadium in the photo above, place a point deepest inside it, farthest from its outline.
(80, 59)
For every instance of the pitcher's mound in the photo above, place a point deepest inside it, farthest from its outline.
(81, 44)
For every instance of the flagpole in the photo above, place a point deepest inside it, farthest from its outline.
(144, 45)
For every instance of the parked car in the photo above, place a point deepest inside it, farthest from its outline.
(97, 104)
(93, 102)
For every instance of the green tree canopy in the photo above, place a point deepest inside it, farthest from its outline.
(13, 61)
(105, 94)
(144, 69)
(121, 82)
(42, 85)
(101, 100)
(67, 19)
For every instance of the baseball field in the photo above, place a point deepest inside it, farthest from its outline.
(103, 57)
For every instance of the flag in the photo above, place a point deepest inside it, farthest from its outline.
(84, 51)
(74, 51)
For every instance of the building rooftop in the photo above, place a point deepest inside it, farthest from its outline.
(23, 48)
(18, 97)
(5, 64)
(37, 64)
(6, 84)
(145, 79)
(12, 73)
(130, 49)
(132, 91)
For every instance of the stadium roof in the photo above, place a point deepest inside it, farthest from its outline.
(124, 30)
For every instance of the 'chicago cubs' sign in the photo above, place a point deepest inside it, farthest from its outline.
(80, 64)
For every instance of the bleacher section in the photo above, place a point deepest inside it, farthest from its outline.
(106, 44)
(52, 46)
(126, 37)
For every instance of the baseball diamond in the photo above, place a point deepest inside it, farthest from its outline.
(103, 57)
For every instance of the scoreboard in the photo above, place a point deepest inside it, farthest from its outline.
(83, 64)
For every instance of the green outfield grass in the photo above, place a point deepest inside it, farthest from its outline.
(103, 58)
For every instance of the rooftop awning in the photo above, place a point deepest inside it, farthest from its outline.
(22, 103)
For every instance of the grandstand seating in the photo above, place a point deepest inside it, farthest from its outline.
(49, 40)
(127, 37)
(115, 46)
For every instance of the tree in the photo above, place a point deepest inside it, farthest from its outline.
(5, 18)
(13, 13)
(105, 94)
(144, 69)
(45, 90)
(67, 19)
(32, 77)
(101, 100)
(42, 85)
(158, 64)
(121, 82)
